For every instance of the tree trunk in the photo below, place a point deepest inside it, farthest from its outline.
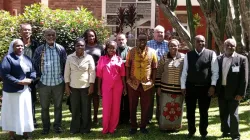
(234, 14)
(180, 29)
(190, 20)
(245, 19)
(212, 24)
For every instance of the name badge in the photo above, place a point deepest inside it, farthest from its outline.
(176, 63)
(47, 63)
(26, 69)
(236, 69)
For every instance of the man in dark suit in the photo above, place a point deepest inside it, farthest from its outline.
(231, 88)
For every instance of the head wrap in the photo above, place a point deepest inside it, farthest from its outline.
(12, 45)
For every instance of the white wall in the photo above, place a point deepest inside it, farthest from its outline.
(183, 2)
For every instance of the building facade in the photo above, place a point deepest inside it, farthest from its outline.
(147, 9)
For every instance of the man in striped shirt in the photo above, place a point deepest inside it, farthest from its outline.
(49, 61)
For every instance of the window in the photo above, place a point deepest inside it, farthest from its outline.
(145, 11)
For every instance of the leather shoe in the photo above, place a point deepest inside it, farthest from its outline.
(45, 132)
(225, 135)
(58, 130)
(132, 131)
(203, 137)
(86, 132)
(27, 137)
(190, 135)
(144, 130)
(73, 133)
(149, 121)
(12, 138)
(35, 125)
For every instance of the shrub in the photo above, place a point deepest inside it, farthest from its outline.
(8, 30)
(69, 25)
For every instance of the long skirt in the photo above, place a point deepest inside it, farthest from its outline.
(16, 114)
(171, 111)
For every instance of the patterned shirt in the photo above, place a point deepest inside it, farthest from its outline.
(169, 73)
(141, 64)
(160, 47)
(51, 73)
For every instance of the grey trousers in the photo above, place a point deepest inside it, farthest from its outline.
(45, 94)
(80, 107)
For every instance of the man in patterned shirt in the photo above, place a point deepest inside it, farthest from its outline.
(141, 64)
(161, 47)
(49, 61)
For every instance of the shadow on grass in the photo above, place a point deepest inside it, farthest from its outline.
(122, 130)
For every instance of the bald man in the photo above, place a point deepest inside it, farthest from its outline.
(198, 81)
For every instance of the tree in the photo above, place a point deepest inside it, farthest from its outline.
(225, 18)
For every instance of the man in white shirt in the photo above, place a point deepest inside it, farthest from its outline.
(231, 88)
(198, 81)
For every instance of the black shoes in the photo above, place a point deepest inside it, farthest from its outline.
(132, 131)
(86, 132)
(225, 135)
(73, 133)
(45, 132)
(27, 137)
(203, 137)
(144, 130)
(58, 130)
(12, 138)
(35, 125)
(190, 135)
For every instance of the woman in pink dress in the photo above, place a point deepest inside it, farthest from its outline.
(111, 85)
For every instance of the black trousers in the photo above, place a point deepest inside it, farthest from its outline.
(124, 109)
(200, 94)
(229, 115)
(80, 107)
(33, 99)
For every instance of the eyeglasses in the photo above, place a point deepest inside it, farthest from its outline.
(80, 46)
(53, 35)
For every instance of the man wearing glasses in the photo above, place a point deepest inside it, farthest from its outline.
(141, 64)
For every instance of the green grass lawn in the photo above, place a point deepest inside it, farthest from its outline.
(154, 133)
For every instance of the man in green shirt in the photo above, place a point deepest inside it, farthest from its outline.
(122, 52)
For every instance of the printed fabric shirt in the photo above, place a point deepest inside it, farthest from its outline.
(141, 64)
(169, 73)
(110, 70)
(79, 71)
(51, 73)
(160, 47)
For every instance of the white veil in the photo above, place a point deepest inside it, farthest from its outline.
(12, 45)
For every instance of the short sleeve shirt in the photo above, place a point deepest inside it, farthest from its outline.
(141, 64)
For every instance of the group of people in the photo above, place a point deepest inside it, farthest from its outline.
(121, 75)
